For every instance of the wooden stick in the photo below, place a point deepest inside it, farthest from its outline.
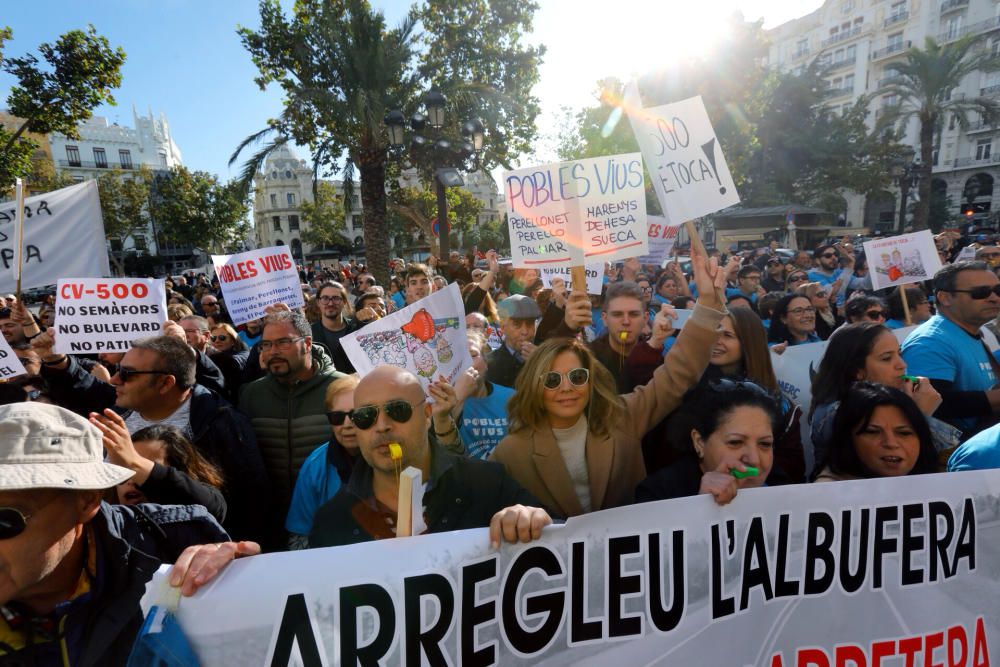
(578, 276)
(698, 247)
(409, 510)
(18, 236)
(906, 305)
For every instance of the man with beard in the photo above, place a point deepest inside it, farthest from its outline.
(335, 322)
(830, 274)
(287, 406)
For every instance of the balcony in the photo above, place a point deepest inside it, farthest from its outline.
(890, 81)
(833, 93)
(83, 164)
(801, 53)
(896, 18)
(844, 36)
(886, 110)
(974, 162)
(990, 91)
(976, 128)
(953, 5)
(840, 64)
(892, 50)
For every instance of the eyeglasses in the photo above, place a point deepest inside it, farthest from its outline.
(820, 295)
(808, 310)
(12, 522)
(647, 289)
(329, 299)
(875, 315)
(337, 417)
(127, 374)
(577, 377)
(220, 339)
(978, 293)
(398, 411)
(798, 279)
(281, 343)
(828, 255)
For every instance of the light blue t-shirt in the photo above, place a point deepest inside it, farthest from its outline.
(318, 481)
(980, 452)
(484, 422)
(736, 291)
(817, 276)
(939, 349)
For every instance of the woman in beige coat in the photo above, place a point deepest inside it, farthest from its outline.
(573, 442)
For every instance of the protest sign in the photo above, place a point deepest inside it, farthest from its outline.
(63, 236)
(595, 276)
(966, 254)
(850, 573)
(901, 260)
(10, 365)
(683, 157)
(662, 238)
(427, 338)
(569, 213)
(253, 280)
(107, 314)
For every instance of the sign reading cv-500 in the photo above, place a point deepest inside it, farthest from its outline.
(101, 315)
(104, 291)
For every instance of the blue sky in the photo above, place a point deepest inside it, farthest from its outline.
(186, 61)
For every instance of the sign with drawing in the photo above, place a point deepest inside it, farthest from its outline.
(901, 260)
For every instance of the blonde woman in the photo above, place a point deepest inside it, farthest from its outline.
(819, 296)
(573, 442)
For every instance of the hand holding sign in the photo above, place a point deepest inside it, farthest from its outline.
(579, 313)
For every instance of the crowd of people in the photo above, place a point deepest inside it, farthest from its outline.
(213, 441)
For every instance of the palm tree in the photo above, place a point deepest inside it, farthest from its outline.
(341, 70)
(924, 86)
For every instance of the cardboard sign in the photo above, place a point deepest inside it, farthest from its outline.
(10, 365)
(595, 277)
(662, 238)
(683, 156)
(107, 314)
(901, 260)
(63, 236)
(427, 338)
(571, 213)
(253, 280)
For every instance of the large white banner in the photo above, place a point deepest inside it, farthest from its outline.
(63, 236)
(573, 213)
(895, 571)
(253, 280)
(683, 157)
(427, 337)
(107, 314)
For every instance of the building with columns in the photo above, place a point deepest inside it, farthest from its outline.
(860, 41)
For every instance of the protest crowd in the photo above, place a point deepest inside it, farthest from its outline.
(212, 440)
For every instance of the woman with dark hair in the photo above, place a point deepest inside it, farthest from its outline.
(733, 426)
(916, 299)
(793, 322)
(795, 278)
(868, 351)
(827, 319)
(878, 432)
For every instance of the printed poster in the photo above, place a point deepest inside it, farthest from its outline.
(901, 260)
(107, 314)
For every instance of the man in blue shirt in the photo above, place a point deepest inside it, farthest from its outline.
(749, 288)
(829, 272)
(980, 452)
(948, 348)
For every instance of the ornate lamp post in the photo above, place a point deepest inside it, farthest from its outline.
(906, 171)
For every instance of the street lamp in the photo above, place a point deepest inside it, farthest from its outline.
(446, 157)
(906, 171)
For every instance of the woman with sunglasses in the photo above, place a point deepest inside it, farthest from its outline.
(867, 351)
(827, 319)
(572, 441)
(231, 355)
(792, 323)
(795, 278)
(328, 467)
(730, 445)
(878, 432)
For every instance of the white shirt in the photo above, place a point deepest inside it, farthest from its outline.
(572, 443)
(181, 418)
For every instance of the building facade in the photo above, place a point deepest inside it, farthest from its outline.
(42, 155)
(859, 41)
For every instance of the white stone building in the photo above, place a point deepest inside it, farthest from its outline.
(860, 40)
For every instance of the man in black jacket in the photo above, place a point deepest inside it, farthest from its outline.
(75, 568)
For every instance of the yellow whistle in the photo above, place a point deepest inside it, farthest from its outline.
(622, 336)
(395, 451)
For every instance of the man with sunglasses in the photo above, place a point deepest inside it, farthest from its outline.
(73, 568)
(829, 272)
(949, 349)
(864, 308)
(774, 278)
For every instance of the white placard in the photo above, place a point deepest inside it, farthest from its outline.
(63, 236)
(107, 314)
(572, 213)
(10, 365)
(595, 276)
(683, 157)
(253, 280)
(427, 338)
(966, 254)
(901, 260)
(662, 238)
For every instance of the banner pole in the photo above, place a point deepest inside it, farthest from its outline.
(698, 247)
(18, 235)
(906, 305)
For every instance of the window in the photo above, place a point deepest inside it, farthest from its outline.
(995, 44)
(934, 155)
(983, 149)
(291, 198)
(277, 223)
(897, 8)
(953, 28)
(288, 174)
(163, 159)
(356, 222)
(802, 46)
(895, 41)
(293, 223)
(836, 83)
(73, 156)
(100, 158)
(859, 21)
(847, 7)
(356, 201)
(838, 56)
(140, 242)
(851, 53)
(274, 200)
(125, 159)
(849, 82)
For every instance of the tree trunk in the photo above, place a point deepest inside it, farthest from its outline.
(922, 213)
(373, 204)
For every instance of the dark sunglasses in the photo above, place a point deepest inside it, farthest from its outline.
(875, 315)
(12, 522)
(128, 373)
(798, 279)
(828, 255)
(337, 417)
(219, 339)
(979, 293)
(577, 377)
(398, 411)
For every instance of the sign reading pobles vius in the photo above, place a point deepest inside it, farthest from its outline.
(572, 213)
(253, 280)
(107, 314)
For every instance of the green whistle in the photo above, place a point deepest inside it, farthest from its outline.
(909, 378)
(743, 474)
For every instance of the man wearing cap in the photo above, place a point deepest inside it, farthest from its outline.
(518, 315)
(73, 568)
